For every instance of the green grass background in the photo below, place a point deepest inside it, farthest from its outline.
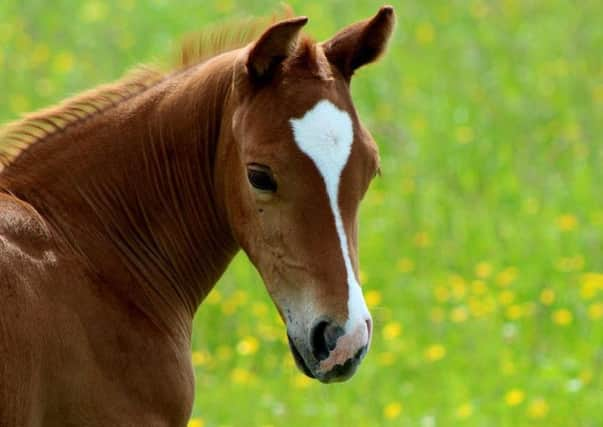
(481, 244)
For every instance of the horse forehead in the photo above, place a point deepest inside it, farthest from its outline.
(325, 133)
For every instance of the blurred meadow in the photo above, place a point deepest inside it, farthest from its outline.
(481, 244)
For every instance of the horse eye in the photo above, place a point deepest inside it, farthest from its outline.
(260, 177)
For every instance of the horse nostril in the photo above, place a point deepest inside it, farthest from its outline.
(332, 334)
(324, 339)
(318, 342)
(361, 352)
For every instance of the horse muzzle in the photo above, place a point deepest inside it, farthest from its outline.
(330, 352)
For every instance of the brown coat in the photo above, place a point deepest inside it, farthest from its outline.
(120, 209)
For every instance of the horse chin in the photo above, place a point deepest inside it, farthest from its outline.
(299, 360)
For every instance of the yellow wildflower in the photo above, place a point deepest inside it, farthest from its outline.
(464, 411)
(567, 222)
(248, 345)
(441, 293)
(195, 422)
(435, 352)
(595, 310)
(588, 291)
(392, 331)
(62, 63)
(477, 307)
(200, 358)
(538, 408)
(586, 376)
(514, 397)
(478, 287)
(507, 276)
(562, 317)
(506, 297)
(301, 381)
(547, 296)
(372, 298)
(514, 311)
(483, 270)
(591, 284)
(459, 288)
(459, 314)
(240, 376)
(214, 297)
(392, 410)
(596, 279)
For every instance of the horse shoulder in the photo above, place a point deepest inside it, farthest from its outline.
(24, 257)
(21, 224)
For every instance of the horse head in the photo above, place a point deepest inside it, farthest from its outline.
(300, 166)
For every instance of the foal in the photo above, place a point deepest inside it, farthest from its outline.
(120, 209)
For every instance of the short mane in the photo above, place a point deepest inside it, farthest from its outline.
(196, 48)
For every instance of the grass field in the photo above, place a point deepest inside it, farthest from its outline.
(481, 244)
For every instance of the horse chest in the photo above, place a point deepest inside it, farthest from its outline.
(127, 373)
(71, 357)
(92, 366)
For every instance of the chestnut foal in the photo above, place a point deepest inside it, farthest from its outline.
(121, 208)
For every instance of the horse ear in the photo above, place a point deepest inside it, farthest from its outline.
(360, 43)
(273, 46)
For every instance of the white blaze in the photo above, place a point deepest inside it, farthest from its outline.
(325, 134)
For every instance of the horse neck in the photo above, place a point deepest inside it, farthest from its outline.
(132, 192)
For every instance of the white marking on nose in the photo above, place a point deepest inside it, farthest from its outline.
(325, 134)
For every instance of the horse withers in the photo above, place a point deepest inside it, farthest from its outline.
(121, 208)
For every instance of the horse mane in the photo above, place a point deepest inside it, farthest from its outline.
(40, 126)
(195, 48)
